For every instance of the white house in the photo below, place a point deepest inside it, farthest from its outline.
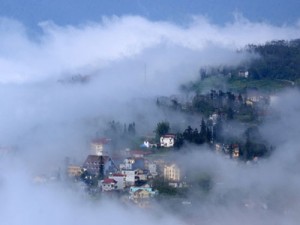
(167, 140)
(244, 73)
(121, 180)
(108, 184)
(152, 167)
(149, 144)
(129, 177)
(127, 164)
(214, 118)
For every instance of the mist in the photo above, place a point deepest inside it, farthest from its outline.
(129, 61)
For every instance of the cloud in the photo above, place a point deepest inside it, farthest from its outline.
(130, 60)
(93, 46)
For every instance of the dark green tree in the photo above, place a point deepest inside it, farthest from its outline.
(188, 134)
(203, 131)
(179, 141)
(162, 128)
(230, 113)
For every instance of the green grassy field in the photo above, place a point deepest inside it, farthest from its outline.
(267, 85)
(239, 84)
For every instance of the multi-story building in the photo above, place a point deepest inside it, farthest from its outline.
(99, 165)
(172, 173)
(120, 179)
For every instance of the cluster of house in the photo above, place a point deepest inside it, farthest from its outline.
(232, 151)
(117, 174)
(166, 141)
(130, 174)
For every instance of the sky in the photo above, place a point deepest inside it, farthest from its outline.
(63, 12)
(132, 52)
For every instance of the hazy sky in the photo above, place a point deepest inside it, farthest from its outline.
(62, 12)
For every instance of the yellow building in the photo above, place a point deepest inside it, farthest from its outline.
(235, 151)
(172, 172)
(74, 171)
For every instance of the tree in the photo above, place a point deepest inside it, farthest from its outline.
(195, 137)
(230, 113)
(131, 129)
(218, 131)
(162, 128)
(240, 98)
(203, 131)
(179, 140)
(188, 134)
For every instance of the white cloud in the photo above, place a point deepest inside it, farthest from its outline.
(129, 58)
(93, 46)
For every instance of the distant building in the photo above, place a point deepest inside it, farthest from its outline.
(142, 175)
(40, 179)
(109, 184)
(132, 164)
(120, 179)
(172, 173)
(146, 188)
(167, 140)
(99, 165)
(130, 177)
(244, 73)
(142, 195)
(100, 146)
(152, 167)
(139, 153)
(214, 118)
(74, 171)
(150, 144)
(235, 151)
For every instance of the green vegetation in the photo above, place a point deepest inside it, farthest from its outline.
(204, 85)
(278, 60)
(162, 128)
(237, 84)
(165, 189)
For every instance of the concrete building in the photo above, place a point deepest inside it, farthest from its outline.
(108, 184)
(152, 167)
(167, 140)
(121, 180)
(99, 165)
(130, 177)
(74, 171)
(172, 173)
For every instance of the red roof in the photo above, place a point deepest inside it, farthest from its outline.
(139, 152)
(109, 181)
(101, 141)
(169, 136)
(118, 175)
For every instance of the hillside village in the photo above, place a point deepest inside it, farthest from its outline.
(139, 173)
